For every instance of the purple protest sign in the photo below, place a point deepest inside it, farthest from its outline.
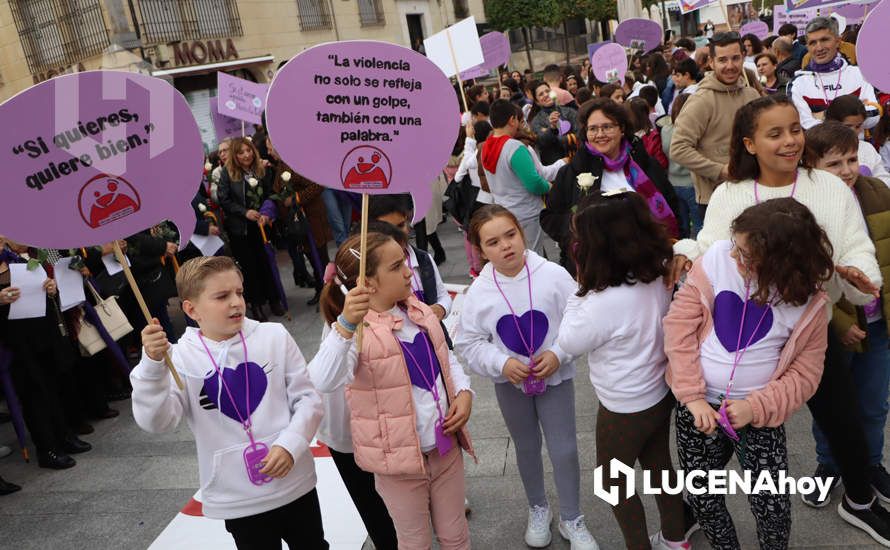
(609, 63)
(638, 34)
(495, 50)
(225, 127)
(373, 117)
(870, 46)
(97, 156)
(591, 48)
(757, 28)
(241, 99)
(797, 5)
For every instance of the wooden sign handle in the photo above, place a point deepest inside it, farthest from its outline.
(121, 259)
(362, 262)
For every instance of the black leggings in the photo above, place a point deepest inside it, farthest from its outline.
(765, 449)
(297, 523)
(371, 508)
(835, 407)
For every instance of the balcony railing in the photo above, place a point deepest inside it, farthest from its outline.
(313, 15)
(370, 13)
(162, 21)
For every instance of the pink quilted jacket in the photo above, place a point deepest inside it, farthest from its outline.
(384, 433)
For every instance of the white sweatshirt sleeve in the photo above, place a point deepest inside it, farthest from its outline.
(858, 251)
(158, 404)
(714, 228)
(304, 402)
(473, 343)
(566, 287)
(868, 94)
(869, 157)
(807, 120)
(334, 364)
(442, 297)
(547, 172)
(469, 157)
(583, 328)
(458, 376)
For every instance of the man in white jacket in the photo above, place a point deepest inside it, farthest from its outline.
(828, 76)
(249, 402)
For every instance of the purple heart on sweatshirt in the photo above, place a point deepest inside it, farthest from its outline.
(728, 308)
(235, 381)
(534, 326)
(865, 170)
(417, 356)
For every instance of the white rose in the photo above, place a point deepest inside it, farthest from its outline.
(285, 176)
(248, 138)
(207, 166)
(201, 207)
(586, 180)
(216, 174)
(552, 95)
(762, 80)
(252, 182)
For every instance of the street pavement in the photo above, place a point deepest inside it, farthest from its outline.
(125, 491)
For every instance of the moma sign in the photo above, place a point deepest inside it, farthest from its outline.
(201, 52)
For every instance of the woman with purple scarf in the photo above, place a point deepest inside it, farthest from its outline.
(609, 157)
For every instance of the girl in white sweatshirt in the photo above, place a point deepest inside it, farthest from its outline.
(508, 333)
(622, 253)
(247, 399)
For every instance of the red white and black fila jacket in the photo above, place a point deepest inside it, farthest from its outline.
(813, 92)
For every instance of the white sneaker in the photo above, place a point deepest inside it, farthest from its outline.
(658, 542)
(537, 534)
(576, 532)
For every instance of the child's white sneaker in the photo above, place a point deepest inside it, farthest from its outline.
(537, 533)
(575, 531)
(658, 542)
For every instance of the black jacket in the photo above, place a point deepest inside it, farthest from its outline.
(232, 200)
(788, 67)
(557, 214)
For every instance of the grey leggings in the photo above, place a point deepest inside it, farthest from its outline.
(554, 411)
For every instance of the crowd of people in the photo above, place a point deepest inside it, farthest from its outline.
(720, 217)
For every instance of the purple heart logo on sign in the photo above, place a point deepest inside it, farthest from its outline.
(103, 154)
(372, 117)
(638, 34)
(609, 63)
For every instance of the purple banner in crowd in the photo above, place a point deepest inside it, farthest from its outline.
(241, 99)
(639, 34)
(224, 126)
(870, 46)
(687, 6)
(495, 50)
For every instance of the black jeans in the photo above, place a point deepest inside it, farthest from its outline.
(835, 407)
(297, 523)
(371, 508)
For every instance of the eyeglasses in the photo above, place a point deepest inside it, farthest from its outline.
(604, 128)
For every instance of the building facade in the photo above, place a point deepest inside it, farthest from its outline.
(188, 41)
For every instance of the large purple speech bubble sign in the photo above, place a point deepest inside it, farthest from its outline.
(369, 117)
(757, 28)
(609, 63)
(92, 157)
(870, 46)
(638, 34)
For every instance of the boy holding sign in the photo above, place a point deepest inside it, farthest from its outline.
(250, 404)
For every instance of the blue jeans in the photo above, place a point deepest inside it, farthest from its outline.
(688, 217)
(871, 374)
(339, 210)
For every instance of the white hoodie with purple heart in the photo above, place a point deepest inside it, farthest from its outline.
(489, 334)
(272, 383)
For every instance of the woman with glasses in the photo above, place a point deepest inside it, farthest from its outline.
(609, 157)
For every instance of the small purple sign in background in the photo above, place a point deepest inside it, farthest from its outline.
(495, 49)
(609, 63)
(372, 117)
(871, 45)
(224, 126)
(757, 28)
(241, 99)
(639, 34)
(96, 156)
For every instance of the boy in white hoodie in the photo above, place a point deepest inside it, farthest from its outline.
(250, 404)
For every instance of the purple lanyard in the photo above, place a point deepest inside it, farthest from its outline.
(245, 423)
(528, 346)
(432, 383)
(740, 351)
(791, 196)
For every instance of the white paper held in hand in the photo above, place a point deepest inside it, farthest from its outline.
(209, 245)
(111, 264)
(70, 284)
(464, 41)
(32, 297)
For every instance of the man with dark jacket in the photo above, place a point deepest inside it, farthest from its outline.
(788, 64)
